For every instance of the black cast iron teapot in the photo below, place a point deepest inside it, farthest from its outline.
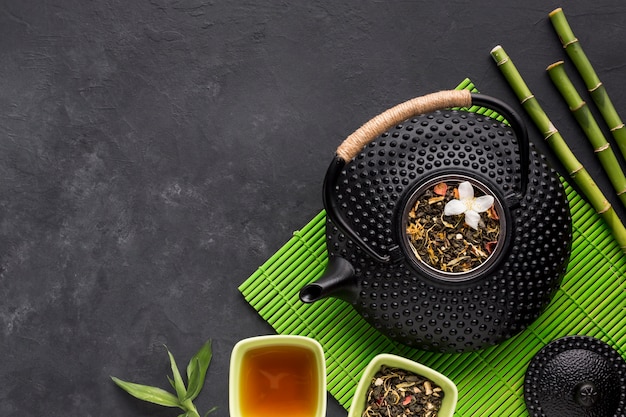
(446, 230)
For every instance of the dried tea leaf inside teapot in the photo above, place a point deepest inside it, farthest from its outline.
(446, 242)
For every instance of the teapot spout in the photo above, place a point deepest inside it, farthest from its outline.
(337, 281)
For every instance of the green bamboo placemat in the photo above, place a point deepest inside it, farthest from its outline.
(591, 301)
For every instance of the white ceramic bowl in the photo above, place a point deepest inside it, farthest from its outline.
(450, 391)
(274, 347)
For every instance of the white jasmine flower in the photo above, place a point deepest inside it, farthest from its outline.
(468, 204)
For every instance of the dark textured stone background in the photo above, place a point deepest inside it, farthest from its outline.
(154, 153)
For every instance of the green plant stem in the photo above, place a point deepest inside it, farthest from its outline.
(595, 87)
(556, 142)
(190, 408)
(585, 119)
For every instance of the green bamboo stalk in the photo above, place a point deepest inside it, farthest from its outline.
(575, 169)
(587, 122)
(594, 85)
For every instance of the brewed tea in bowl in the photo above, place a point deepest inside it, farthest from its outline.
(277, 375)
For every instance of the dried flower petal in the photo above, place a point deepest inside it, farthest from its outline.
(492, 213)
(441, 188)
(490, 246)
(482, 203)
(454, 207)
(466, 191)
(472, 219)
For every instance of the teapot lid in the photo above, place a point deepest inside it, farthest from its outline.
(577, 376)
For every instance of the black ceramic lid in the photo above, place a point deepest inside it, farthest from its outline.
(576, 376)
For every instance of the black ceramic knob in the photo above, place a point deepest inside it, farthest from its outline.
(576, 376)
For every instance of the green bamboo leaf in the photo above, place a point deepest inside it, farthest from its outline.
(197, 369)
(179, 385)
(204, 357)
(194, 382)
(147, 393)
(171, 381)
(192, 366)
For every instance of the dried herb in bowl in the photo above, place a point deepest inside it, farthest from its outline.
(395, 392)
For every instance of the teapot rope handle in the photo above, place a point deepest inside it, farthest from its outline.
(428, 103)
(354, 143)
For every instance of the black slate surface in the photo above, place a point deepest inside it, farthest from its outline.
(153, 154)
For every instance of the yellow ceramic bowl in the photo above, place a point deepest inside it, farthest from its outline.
(450, 391)
(277, 375)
